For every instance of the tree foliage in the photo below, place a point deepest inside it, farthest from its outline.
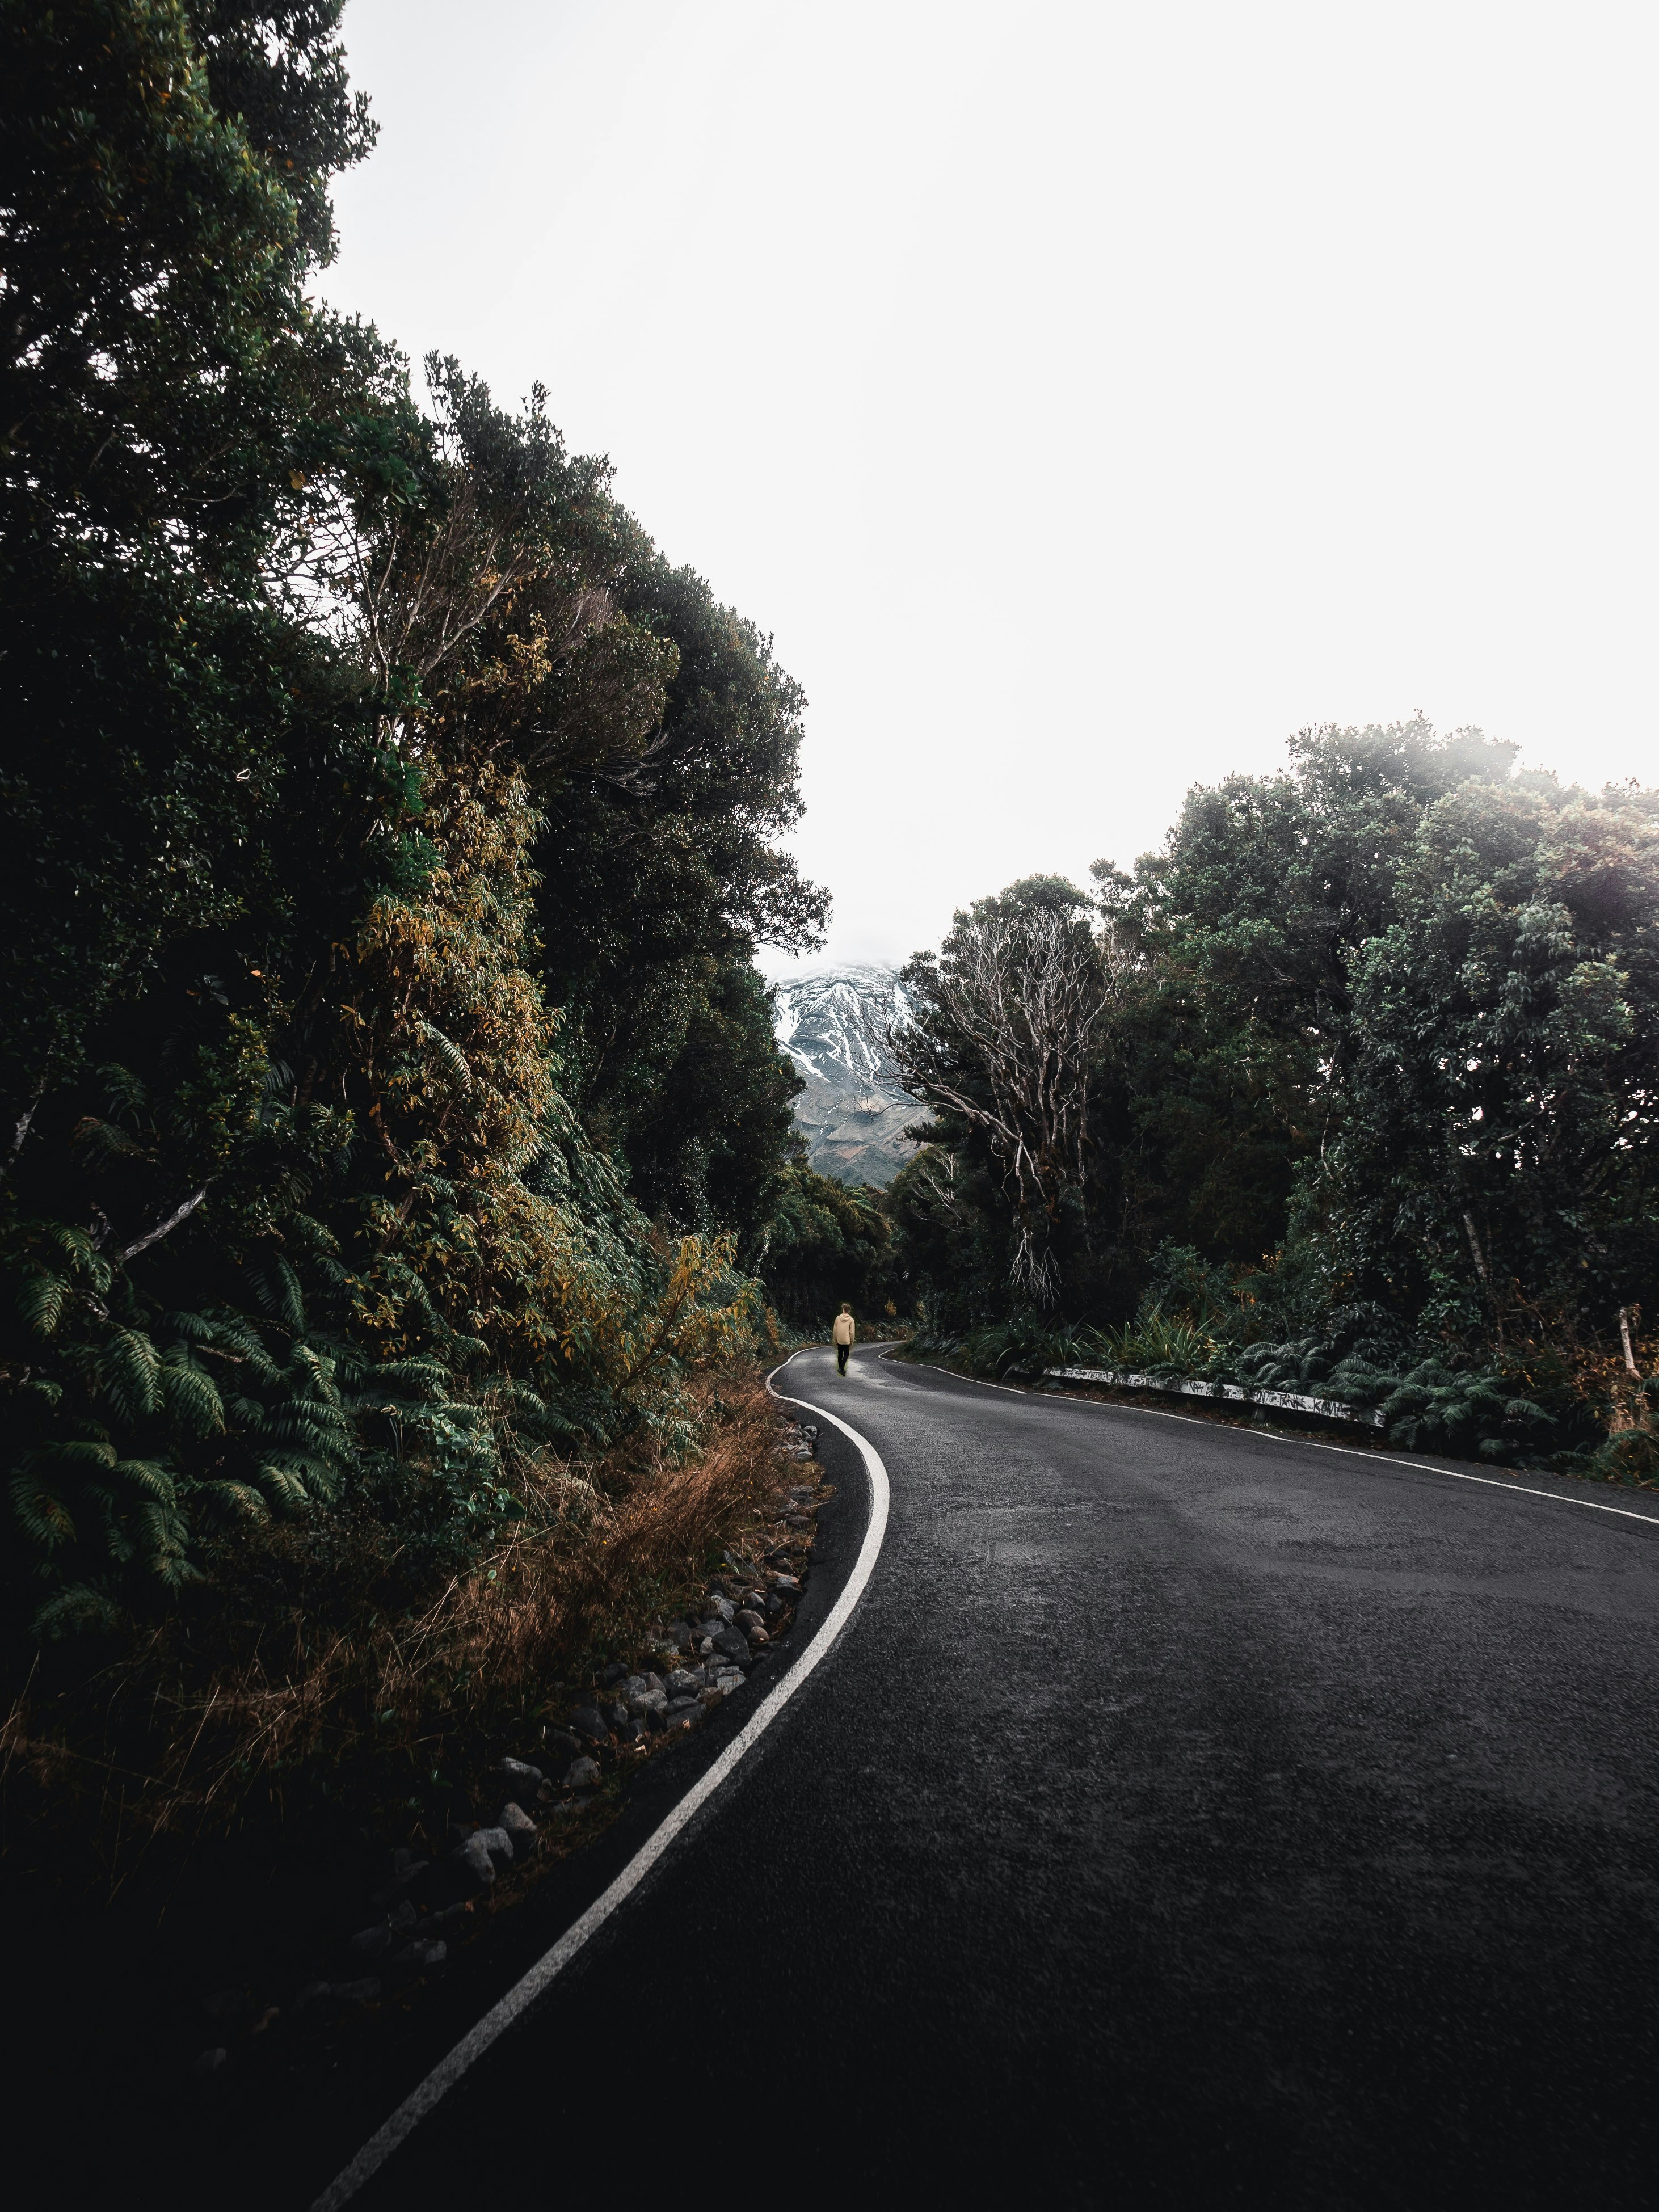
(387, 832)
(1371, 1065)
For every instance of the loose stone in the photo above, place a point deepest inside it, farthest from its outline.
(364, 1992)
(587, 1721)
(417, 1957)
(582, 1775)
(517, 1822)
(515, 1771)
(474, 1855)
(372, 1942)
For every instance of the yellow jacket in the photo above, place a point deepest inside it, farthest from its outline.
(847, 1329)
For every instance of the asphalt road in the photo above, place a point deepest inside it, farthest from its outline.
(1188, 1816)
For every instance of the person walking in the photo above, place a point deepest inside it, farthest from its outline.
(847, 1330)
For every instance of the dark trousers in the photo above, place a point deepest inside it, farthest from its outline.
(841, 1351)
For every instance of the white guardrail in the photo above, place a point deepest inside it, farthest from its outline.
(1328, 1408)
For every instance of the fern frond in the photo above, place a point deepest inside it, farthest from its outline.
(129, 1374)
(192, 1398)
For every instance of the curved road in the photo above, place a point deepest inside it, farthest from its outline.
(1188, 1816)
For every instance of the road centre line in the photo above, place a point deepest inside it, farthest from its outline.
(523, 1993)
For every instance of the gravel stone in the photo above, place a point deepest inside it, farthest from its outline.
(373, 1942)
(474, 1855)
(417, 1957)
(515, 1771)
(363, 1992)
(721, 1606)
(586, 1721)
(517, 1822)
(640, 1693)
(584, 1773)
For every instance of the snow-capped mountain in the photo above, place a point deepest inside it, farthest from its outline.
(833, 1026)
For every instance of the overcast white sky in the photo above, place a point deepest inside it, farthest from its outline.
(1086, 397)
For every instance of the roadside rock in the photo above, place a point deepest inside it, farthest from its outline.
(643, 1694)
(518, 1824)
(417, 1957)
(514, 1774)
(373, 1942)
(363, 1992)
(583, 1774)
(587, 1721)
(474, 1855)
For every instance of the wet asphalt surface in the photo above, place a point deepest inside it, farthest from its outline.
(1188, 1816)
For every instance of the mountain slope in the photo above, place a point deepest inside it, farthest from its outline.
(833, 1026)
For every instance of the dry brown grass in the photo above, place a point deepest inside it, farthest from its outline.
(305, 1692)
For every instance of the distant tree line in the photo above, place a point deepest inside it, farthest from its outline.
(1355, 1082)
(390, 1095)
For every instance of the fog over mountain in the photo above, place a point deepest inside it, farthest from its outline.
(833, 1026)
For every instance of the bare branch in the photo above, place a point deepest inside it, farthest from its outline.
(164, 1228)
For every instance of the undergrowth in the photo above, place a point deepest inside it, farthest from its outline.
(320, 1682)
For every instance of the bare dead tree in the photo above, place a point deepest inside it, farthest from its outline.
(1003, 1043)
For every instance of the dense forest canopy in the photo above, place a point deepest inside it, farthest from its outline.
(390, 1095)
(1356, 1079)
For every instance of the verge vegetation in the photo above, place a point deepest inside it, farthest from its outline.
(1352, 1087)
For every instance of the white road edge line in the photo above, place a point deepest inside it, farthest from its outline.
(518, 2000)
(1348, 1451)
